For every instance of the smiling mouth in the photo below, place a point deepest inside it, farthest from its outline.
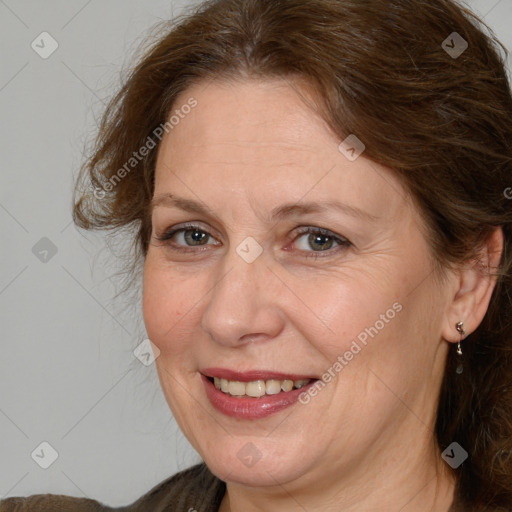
(257, 388)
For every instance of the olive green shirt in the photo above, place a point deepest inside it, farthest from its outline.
(193, 490)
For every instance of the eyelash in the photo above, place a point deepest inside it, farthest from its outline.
(166, 238)
(342, 242)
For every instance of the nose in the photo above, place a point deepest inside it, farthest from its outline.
(243, 305)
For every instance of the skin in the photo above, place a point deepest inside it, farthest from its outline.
(366, 441)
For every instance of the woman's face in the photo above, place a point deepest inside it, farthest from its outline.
(276, 256)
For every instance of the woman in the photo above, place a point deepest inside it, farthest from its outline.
(318, 192)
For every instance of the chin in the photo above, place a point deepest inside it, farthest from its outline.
(256, 462)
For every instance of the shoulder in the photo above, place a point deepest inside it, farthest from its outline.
(195, 489)
(51, 503)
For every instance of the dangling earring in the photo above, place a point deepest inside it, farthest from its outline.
(460, 329)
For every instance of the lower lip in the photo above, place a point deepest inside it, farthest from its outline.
(251, 408)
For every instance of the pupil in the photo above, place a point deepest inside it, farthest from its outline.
(195, 237)
(322, 242)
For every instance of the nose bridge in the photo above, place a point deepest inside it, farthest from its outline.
(240, 302)
(239, 280)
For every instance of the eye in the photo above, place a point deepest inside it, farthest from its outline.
(317, 240)
(186, 237)
(191, 237)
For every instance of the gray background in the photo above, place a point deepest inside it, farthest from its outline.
(68, 375)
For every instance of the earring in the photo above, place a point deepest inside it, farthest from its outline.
(460, 329)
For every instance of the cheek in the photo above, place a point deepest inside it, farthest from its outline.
(367, 318)
(382, 338)
(168, 302)
(348, 306)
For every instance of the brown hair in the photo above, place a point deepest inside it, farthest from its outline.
(441, 121)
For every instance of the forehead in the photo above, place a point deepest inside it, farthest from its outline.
(249, 136)
(252, 117)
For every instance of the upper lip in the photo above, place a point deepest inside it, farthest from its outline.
(252, 375)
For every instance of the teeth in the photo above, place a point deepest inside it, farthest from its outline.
(287, 385)
(258, 388)
(236, 388)
(273, 387)
(255, 389)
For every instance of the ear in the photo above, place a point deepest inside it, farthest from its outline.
(474, 284)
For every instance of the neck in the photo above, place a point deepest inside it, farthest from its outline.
(419, 482)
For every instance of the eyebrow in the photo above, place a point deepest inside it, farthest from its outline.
(188, 205)
(278, 213)
(288, 210)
